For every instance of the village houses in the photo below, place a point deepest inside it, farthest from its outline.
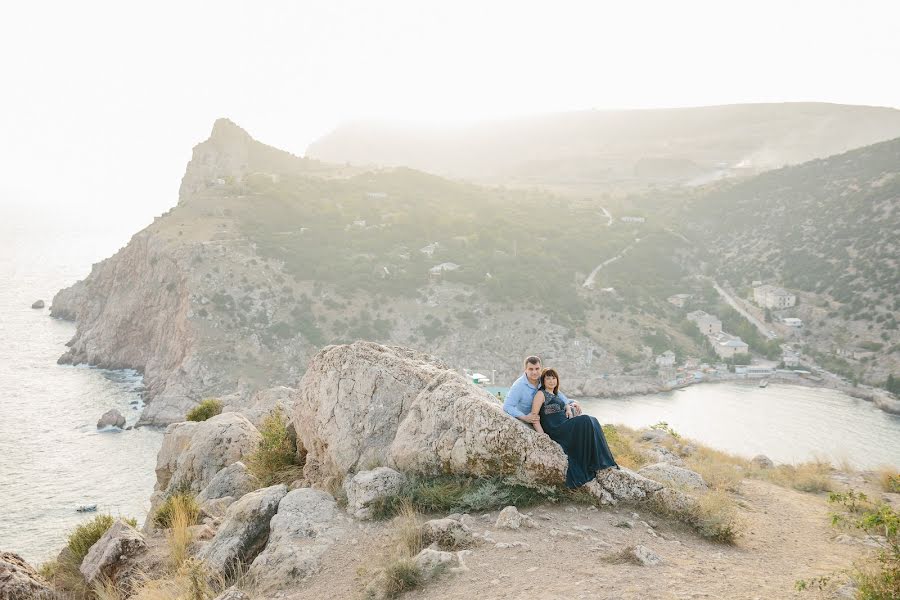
(706, 323)
(769, 296)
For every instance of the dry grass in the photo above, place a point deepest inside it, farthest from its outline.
(716, 517)
(183, 502)
(720, 470)
(407, 534)
(624, 446)
(183, 514)
(813, 476)
(395, 571)
(888, 479)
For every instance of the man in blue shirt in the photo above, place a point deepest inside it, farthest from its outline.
(521, 394)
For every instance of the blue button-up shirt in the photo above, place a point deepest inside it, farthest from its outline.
(521, 396)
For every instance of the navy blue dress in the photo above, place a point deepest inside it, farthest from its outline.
(581, 439)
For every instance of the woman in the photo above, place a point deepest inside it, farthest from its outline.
(580, 436)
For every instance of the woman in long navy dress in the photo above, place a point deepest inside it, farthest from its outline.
(580, 436)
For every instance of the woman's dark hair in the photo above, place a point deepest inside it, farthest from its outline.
(552, 373)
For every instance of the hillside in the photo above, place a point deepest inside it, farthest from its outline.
(591, 151)
(828, 229)
(269, 257)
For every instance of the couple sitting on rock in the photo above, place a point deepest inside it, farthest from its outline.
(535, 399)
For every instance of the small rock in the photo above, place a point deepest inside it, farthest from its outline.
(367, 486)
(233, 593)
(448, 534)
(624, 524)
(511, 518)
(467, 520)
(432, 562)
(111, 418)
(761, 461)
(505, 545)
(38, 304)
(571, 509)
(674, 475)
(644, 556)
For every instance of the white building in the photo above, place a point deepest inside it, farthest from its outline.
(726, 345)
(790, 358)
(706, 323)
(666, 359)
(792, 322)
(769, 296)
(632, 219)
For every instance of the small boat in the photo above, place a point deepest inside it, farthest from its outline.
(85, 508)
(764, 383)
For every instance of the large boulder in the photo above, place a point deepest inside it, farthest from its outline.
(244, 530)
(111, 418)
(38, 304)
(366, 487)
(111, 558)
(20, 581)
(234, 480)
(307, 523)
(192, 453)
(365, 403)
(672, 475)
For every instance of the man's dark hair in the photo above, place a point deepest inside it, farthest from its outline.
(532, 360)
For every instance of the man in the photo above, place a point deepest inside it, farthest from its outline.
(521, 394)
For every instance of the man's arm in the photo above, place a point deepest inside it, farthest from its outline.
(511, 405)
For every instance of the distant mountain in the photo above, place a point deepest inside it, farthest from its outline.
(617, 149)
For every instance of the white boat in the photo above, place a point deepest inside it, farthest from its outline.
(86, 508)
(764, 383)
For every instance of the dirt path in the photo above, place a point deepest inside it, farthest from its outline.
(787, 537)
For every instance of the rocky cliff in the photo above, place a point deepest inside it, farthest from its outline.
(220, 295)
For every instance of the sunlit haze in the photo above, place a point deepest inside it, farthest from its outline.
(103, 101)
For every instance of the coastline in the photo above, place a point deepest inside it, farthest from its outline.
(616, 387)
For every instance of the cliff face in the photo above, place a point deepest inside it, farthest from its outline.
(132, 312)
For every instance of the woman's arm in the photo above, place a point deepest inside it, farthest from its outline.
(535, 411)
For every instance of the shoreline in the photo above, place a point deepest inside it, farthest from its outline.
(880, 398)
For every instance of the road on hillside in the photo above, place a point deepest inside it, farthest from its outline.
(763, 329)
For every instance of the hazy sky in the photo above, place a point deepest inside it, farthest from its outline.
(101, 102)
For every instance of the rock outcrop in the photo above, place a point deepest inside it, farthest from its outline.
(674, 476)
(111, 418)
(20, 581)
(244, 530)
(235, 480)
(193, 453)
(38, 304)
(307, 523)
(111, 558)
(366, 487)
(370, 404)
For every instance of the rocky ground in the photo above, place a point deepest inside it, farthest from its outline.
(364, 421)
(571, 554)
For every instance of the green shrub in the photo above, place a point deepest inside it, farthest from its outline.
(276, 459)
(461, 494)
(86, 535)
(180, 500)
(205, 410)
(878, 579)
